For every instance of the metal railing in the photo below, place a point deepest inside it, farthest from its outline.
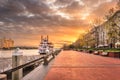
(45, 59)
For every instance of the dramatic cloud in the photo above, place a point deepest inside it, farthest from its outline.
(26, 20)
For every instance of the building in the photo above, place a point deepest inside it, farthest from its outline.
(112, 29)
(6, 43)
(100, 36)
(106, 34)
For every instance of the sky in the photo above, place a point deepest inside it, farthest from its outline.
(64, 21)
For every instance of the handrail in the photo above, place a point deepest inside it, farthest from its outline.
(43, 58)
(21, 66)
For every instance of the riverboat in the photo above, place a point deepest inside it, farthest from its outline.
(45, 46)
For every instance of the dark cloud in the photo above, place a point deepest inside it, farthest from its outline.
(25, 7)
(25, 17)
(37, 13)
(16, 13)
(73, 8)
(63, 2)
(102, 10)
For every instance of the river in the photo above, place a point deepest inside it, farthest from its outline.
(8, 53)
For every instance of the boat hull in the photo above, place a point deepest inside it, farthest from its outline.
(42, 53)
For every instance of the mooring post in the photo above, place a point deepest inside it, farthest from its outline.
(16, 61)
(3, 77)
(45, 60)
(53, 55)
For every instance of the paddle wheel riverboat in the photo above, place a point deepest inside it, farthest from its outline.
(45, 46)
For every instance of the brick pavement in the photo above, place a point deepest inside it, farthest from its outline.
(72, 65)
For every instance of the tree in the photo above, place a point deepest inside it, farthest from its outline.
(110, 13)
(113, 34)
(71, 46)
(96, 22)
(118, 5)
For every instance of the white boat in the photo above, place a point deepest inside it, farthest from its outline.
(45, 46)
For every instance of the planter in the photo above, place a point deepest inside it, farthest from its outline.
(96, 53)
(81, 50)
(117, 55)
(84, 51)
(114, 54)
(87, 51)
(100, 52)
(104, 54)
(90, 51)
(111, 54)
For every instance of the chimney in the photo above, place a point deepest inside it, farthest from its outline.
(41, 38)
(47, 37)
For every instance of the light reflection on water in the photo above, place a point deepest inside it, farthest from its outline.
(8, 53)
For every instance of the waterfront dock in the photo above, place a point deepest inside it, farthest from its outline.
(72, 65)
(6, 63)
(20, 65)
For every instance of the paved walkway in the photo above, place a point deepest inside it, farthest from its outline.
(72, 65)
(38, 73)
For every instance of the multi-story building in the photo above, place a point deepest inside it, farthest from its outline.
(101, 36)
(106, 34)
(112, 29)
(6, 43)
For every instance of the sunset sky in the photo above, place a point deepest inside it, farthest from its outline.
(63, 20)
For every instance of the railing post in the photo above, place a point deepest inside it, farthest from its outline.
(53, 55)
(35, 65)
(45, 60)
(3, 77)
(16, 61)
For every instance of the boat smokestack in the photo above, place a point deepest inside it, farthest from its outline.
(41, 38)
(47, 37)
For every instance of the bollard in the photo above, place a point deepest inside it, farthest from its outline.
(16, 61)
(45, 60)
(35, 65)
(3, 77)
(53, 55)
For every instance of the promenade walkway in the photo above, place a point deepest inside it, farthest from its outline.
(72, 65)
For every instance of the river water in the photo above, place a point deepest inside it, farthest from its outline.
(8, 53)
